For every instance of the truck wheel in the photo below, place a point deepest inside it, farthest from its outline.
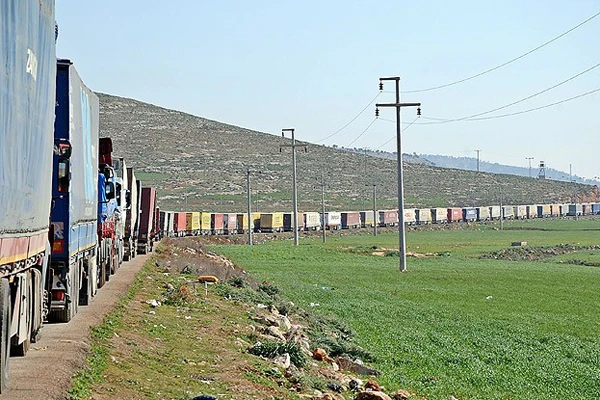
(5, 327)
(85, 293)
(101, 274)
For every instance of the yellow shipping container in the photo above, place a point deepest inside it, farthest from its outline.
(271, 222)
(204, 222)
(242, 220)
(192, 221)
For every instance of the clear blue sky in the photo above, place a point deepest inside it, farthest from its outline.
(314, 65)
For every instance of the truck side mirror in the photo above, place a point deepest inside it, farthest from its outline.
(128, 199)
(118, 194)
(110, 190)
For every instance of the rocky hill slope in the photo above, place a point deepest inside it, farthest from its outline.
(198, 164)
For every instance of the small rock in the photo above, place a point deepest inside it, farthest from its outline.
(401, 395)
(283, 361)
(372, 395)
(321, 355)
(276, 332)
(353, 366)
(284, 323)
(373, 385)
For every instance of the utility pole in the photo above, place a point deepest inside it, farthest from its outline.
(323, 207)
(574, 189)
(398, 106)
(249, 202)
(477, 159)
(529, 159)
(294, 188)
(375, 219)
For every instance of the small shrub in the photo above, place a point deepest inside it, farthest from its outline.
(268, 288)
(339, 347)
(237, 281)
(272, 349)
(179, 296)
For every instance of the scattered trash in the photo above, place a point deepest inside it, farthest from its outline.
(186, 270)
(259, 305)
(152, 312)
(488, 298)
(188, 317)
(336, 387)
(154, 303)
(314, 304)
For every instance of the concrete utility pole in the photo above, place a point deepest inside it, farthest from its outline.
(375, 219)
(323, 207)
(250, 227)
(529, 159)
(477, 159)
(574, 189)
(294, 188)
(398, 106)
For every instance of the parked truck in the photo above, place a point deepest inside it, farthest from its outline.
(123, 194)
(74, 274)
(27, 96)
(146, 225)
(131, 216)
(110, 243)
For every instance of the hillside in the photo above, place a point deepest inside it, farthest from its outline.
(198, 164)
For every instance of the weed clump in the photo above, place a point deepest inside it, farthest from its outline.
(272, 349)
(237, 282)
(268, 288)
(179, 296)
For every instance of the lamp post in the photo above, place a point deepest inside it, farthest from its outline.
(398, 106)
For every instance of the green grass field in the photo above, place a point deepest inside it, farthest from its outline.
(455, 324)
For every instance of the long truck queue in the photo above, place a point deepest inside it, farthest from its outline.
(70, 212)
(174, 223)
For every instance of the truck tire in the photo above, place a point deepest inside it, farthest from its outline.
(5, 308)
(101, 274)
(86, 287)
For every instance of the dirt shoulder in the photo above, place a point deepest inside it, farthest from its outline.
(46, 371)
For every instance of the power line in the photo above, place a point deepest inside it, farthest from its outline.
(351, 121)
(362, 133)
(405, 128)
(537, 108)
(473, 116)
(506, 63)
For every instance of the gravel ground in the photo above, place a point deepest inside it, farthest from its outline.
(46, 371)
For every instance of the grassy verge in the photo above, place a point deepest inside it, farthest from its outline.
(456, 324)
(82, 382)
